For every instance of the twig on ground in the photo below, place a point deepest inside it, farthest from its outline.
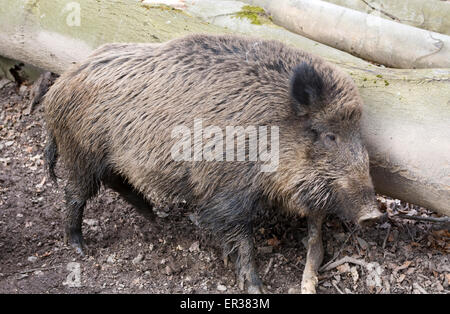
(339, 252)
(386, 237)
(346, 259)
(336, 287)
(410, 234)
(429, 219)
(268, 267)
(31, 270)
(36, 269)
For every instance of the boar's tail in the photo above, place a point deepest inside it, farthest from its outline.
(51, 156)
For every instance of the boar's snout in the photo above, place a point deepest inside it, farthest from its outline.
(369, 216)
(357, 196)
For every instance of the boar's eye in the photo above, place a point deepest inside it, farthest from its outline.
(330, 138)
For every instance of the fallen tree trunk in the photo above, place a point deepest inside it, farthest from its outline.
(53, 34)
(406, 113)
(367, 36)
(432, 15)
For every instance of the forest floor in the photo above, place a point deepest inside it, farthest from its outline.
(130, 254)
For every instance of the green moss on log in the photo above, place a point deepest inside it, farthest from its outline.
(256, 15)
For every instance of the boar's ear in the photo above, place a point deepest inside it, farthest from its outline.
(306, 88)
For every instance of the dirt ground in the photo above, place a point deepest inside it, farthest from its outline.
(129, 254)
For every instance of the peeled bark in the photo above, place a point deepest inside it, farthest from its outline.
(367, 36)
(406, 114)
(432, 15)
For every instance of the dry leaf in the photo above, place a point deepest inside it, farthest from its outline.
(390, 238)
(403, 266)
(401, 278)
(273, 242)
(441, 234)
(362, 243)
(447, 277)
(343, 268)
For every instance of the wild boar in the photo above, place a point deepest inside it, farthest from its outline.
(124, 118)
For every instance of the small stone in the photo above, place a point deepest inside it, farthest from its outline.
(39, 273)
(221, 288)
(138, 259)
(32, 259)
(23, 89)
(111, 259)
(9, 143)
(168, 270)
(195, 247)
(91, 222)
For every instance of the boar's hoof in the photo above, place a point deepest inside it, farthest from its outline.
(255, 287)
(75, 240)
(309, 285)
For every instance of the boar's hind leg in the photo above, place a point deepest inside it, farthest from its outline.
(228, 215)
(126, 190)
(77, 192)
(315, 253)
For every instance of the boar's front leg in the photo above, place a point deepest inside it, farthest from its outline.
(315, 253)
(245, 267)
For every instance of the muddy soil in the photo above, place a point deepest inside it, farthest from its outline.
(129, 254)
